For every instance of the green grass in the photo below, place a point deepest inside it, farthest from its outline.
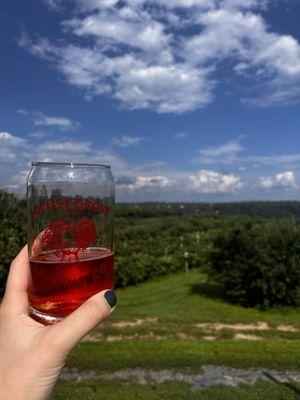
(170, 308)
(178, 354)
(179, 302)
(167, 391)
(189, 298)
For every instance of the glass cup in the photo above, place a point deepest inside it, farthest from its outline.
(70, 236)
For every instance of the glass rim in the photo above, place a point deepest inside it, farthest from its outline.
(68, 164)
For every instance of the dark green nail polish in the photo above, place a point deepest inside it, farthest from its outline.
(111, 298)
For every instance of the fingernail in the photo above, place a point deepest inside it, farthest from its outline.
(111, 298)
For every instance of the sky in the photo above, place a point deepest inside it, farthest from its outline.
(187, 100)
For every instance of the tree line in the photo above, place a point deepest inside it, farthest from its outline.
(251, 249)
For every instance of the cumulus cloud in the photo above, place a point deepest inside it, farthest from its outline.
(153, 182)
(132, 80)
(126, 141)
(127, 26)
(285, 180)
(268, 57)
(206, 181)
(16, 155)
(149, 181)
(140, 53)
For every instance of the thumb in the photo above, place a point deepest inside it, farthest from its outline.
(73, 328)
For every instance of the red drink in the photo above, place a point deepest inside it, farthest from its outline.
(70, 236)
(61, 280)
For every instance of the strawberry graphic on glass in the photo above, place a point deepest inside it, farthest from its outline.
(71, 229)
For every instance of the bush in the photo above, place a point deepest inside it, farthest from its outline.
(258, 264)
(13, 231)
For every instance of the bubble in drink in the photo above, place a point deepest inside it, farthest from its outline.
(61, 280)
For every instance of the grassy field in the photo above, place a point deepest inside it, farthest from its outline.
(177, 391)
(181, 322)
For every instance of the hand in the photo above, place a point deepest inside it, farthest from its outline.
(32, 355)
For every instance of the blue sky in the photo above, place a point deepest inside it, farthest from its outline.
(188, 100)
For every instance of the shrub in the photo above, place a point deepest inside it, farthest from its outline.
(258, 264)
(12, 231)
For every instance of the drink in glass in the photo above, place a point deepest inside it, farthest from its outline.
(70, 236)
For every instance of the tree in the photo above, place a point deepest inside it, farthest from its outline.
(12, 231)
(258, 264)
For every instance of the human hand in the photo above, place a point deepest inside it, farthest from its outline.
(32, 355)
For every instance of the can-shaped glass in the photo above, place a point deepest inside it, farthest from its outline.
(70, 236)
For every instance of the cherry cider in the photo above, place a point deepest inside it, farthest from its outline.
(61, 280)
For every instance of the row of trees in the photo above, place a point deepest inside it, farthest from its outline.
(257, 261)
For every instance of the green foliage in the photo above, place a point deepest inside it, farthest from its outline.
(262, 209)
(258, 264)
(150, 247)
(156, 239)
(12, 231)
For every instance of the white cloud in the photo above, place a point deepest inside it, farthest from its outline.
(9, 146)
(266, 182)
(58, 122)
(286, 179)
(63, 123)
(149, 181)
(232, 152)
(282, 180)
(18, 180)
(16, 154)
(39, 134)
(126, 141)
(214, 182)
(89, 5)
(165, 89)
(55, 5)
(22, 112)
(205, 4)
(244, 4)
(271, 58)
(275, 159)
(77, 151)
(133, 80)
(153, 182)
(181, 135)
(41, 119)
(7, 140)
(139, 54)
(125, 26)
(224, 153)
(102, 4)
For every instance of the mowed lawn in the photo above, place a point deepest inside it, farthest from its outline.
(181, 322)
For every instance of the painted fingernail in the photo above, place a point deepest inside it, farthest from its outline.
(111, 298)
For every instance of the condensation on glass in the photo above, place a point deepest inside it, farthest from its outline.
(70, 236)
